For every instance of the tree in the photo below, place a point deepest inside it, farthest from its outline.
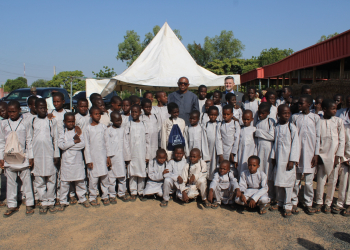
(216, 48)
(19, 82)
(64, 78)
(232, 66)
(40, 83)
(324, 38)
(107, 73)
(273, 55)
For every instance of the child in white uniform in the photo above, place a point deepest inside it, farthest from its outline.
(252, 104)
(202, 94)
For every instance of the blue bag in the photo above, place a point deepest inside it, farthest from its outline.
(175, 138)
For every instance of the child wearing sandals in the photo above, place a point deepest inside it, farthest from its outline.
(253, 186)
(223, 186)
(71, 142)
(96, 158)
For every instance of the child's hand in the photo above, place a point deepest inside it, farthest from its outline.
(90, 165)
(235, 164)
(147, 160)
(243, 199)
(165, 171)
(185, 197)
(109, 163)
(78, 130)
(56, 161)
(50, 116)
(232, 158)
(31, 163)
(76, 139)
(238, 192)
(2, 164)
(192, 179)
(210, 196)
(290, 165)
(180, 180)
(314, 161)
(251, 203)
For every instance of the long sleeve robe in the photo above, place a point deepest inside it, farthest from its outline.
(82, 121)
(59, 116)
(196, 139)
(285, 149)
(165, 132)
(201, 104)
(116, 149)
(198, 170)
(72, 162)
(253, 185)
(309, 138)
(227, 138)
(246, 148)
(220, 112)
(153, 124)
(253, 106)
(155, 174)
(237, 113)
(265, 137)
(175, 170)
(209, 132)
(204, 118)
(126, 119)
(273, 113)
(223, 186)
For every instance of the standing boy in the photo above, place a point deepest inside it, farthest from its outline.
(202, 97)
(252, 104)
(286, 94)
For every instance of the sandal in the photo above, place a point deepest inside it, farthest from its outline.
(105, 202)
(73, 200)
(310, 210)
(57, 203)
(132, 197)
(2, 203)
(346, 212)
(287, 213)
(263, 210)
(61, 208)
(124, 198)
(143, 198)
(52, 209)
(336, 209)
(94, 203)
(37, 203)
(206, 204)
(113, 200)
(215, 205)
(295, 210)
(318, 208)
(327, 209)
(274, 208)
(10, 211)
(164, 204)
(43, 210)
(86, 204)
(29, 211)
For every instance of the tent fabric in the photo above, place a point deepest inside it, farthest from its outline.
(96, 86)
(161, 64)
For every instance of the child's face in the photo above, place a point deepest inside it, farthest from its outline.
(263, 114)
(318, 103)
(162, 98)
(194, 119)
(253, 165)
(216, 98)
(285, 93)
(251, 94)
(117, 105)
(174, 113)
(194, 156)
(202, 93)
(31, 106)
(13, 112)
(58, 102)
(178, 154)
(116, 120)
(147, 108)
(213, 115)
(224, 168)
(284, 115)
(126, 107)
(83, 108)
(247, 119)
(41, 110)
(307, 92)
(331, 111)
(101, 105)
(208, 104)
(232, 101)
(303, 105)
(149, 96)
(69, 121)
(135, 113)
(96, 115)
(161, 158)
(338, 100)
(3, 111)
(227, 115)
(271, 99)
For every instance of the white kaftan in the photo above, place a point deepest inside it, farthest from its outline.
(204, 118)
(196, 139)
(59, 116)
(116, 149)
(273, 113)
(209, 132)
(154, 125)
(201, 104)
(155, 182)
(165, 132)
(220, 112)
(246, 148)
(227, 138)
(82, 121)
(237, 113)
(223, 187)
(253, 106)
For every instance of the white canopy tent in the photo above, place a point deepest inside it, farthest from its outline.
(160, 66)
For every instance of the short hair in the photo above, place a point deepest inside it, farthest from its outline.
(319, 98)
(134, 99)
(4, 104)
(289, 88)
(308, 98)
(68, 114)
(219, 92)
(196, 150)
(228, 96)
(171, 106)
(115, 113)
(94, 108)
(251, 87)
(158, 93)
(195, 112)
(229, 78)
(179, 146)
(202, 86)
(247, 111)
(126, 100)
(270, 93)
(40, 101)
(265, 106)
(213, 108)
(254, 157)
(136, 106)
(82, 100)
(183, 77)
(225, 162)
(146, 93)
(161, 151)
(32, 99)
(116, 99)
(59, 94)
(281, 107)
(15, 104)
(326, 104)
(227, 107)
(145, 101)
(305, 87)
(337, 95)
(94, 96)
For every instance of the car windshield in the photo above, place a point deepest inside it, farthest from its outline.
(46, 93)
(80, 95)
(20, 95)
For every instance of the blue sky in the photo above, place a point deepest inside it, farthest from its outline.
(84, 35)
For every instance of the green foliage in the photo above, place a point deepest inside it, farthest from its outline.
(221, 47)
(19, 82)
(232, 66)
(40, 83)
(273, 55)
(63, 79)
(107, 73)
(324, 38)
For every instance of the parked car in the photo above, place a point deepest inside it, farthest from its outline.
(106, 99)
(22, 94)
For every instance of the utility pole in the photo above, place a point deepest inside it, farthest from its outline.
(24, 68)
(71, 93)
(54, 70)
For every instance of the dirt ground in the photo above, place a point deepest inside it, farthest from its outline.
(145, 225)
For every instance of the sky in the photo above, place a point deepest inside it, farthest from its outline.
(84, 35)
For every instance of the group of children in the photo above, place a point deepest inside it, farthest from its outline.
(255, 155)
